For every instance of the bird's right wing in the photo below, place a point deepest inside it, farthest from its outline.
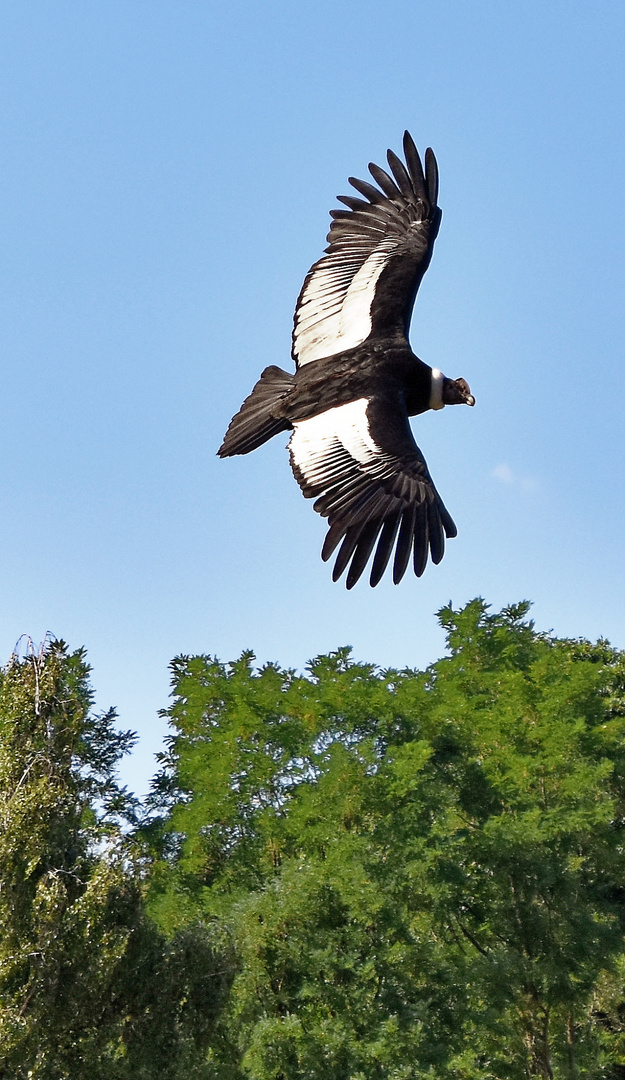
(379, 249)
(362, 466)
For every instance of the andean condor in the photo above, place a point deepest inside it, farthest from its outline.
(357, 380)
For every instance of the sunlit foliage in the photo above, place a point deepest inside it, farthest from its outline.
(422, 873)
(89, 988)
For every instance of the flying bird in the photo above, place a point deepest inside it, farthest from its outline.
(357, 380)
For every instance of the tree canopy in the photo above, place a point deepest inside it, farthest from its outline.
(89, 988)
(346, 874)
(421, 872)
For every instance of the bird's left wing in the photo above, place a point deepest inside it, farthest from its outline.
(361, 464)
(379, 249)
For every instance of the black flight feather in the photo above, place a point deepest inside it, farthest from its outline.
(431, 172)
(420, 540)
(415, 168)
(398, 170)
(368, 190)
(346, 551)
(435, 531)
(384, 548)
(404, 544)
(366, 543)
(389, 187)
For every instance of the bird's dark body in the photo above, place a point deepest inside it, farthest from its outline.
(386, 367)
(357, 380)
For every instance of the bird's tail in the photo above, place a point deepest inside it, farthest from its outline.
(255, 421)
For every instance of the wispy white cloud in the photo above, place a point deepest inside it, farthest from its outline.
(504, 473)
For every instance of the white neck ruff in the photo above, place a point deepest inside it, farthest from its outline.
(436, 391)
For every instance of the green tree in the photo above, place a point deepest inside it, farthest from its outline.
(422, 872)
(88, 986)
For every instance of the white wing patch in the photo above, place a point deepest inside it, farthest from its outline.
(371, 498)
(334, 312)
(318, 446)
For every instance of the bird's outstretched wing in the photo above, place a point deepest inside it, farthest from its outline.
(361, 464)
(379, 249)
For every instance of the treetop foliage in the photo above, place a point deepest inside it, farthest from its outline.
(420, 870)
(344, 874)
(89, 988)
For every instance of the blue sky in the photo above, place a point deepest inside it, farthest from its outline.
(168, 169)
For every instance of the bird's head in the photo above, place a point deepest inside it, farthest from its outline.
(457, 392)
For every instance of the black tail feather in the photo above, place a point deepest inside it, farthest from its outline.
(256, 421)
